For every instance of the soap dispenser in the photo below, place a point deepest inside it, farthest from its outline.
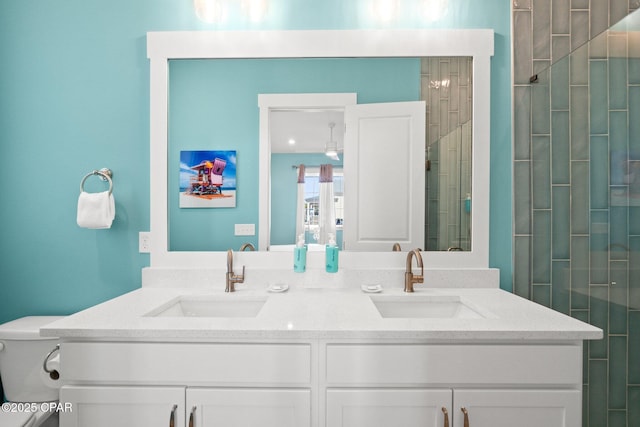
(467, 203)
(300, 255)
(331, 254)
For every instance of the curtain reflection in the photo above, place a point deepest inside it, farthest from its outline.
(300, 203)
(327, 218)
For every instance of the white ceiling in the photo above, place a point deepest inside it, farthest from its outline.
(309, 128)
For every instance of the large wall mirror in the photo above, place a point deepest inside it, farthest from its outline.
(205, 91)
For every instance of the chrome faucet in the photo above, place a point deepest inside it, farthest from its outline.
(231, 277)
(246, 246)
(409, 277)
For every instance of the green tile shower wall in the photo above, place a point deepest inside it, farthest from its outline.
(448, 109)
(74, 81)
(585, 105)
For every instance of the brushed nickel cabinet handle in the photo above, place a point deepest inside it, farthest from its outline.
(446, 416)
(466, 416)
(192, 416)
(172, 419)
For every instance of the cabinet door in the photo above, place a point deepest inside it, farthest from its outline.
(384, 176)
(522, 408)
(123, 406)
(248, 408)
(388, 407)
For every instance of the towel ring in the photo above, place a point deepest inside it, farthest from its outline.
(104, 173)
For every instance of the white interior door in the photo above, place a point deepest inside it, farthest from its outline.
(384, 176)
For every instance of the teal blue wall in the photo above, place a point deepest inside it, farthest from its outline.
(74, 96)
(213, 105)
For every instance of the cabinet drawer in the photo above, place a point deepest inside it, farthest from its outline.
(186, 363)
(448, 365)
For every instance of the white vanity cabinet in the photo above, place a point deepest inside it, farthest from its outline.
(322, 383)
(522, 408)
(242, 407)
(179, 406)
(123, 406)
(387, 407)
(458, 408)
(490, 385)
(187, 384)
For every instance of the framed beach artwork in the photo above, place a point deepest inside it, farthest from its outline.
(207, 179)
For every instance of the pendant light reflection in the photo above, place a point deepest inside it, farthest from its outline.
(255, 10)
(217, 11)
(211, 11)
(331, 148)
(384, 10)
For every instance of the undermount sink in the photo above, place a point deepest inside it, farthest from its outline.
(208, 306)
(427, 307)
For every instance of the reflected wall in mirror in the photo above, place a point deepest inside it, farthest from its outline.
(213, 106)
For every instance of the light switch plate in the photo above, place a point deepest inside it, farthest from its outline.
(245, 229)
(144, 242)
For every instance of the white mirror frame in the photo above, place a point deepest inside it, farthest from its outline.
(164, 46)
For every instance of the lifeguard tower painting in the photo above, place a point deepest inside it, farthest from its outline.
(207, 179)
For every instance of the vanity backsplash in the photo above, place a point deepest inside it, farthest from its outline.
(257, 278)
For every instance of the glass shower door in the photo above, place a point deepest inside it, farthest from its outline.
(584, 175)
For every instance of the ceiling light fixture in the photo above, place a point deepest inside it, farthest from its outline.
(331, 148)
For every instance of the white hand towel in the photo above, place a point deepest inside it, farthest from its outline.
(96, 210)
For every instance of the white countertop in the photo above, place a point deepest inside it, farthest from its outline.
(320, 313)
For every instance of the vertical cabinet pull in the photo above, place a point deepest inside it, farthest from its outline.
(192, 416)
(446, 416)
(466, 416)
(172, 417)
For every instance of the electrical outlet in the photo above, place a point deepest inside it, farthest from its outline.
(245, 229)
(144, 242)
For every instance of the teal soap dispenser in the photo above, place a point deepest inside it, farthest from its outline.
(467, 203)
(300, 255)
(331, 254)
